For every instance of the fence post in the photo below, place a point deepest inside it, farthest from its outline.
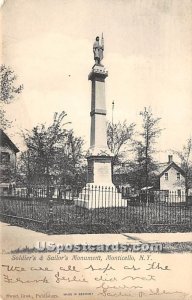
(50, 216)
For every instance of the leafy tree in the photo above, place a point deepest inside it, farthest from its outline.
(42, 146)
(25, 168)
(118, 136)
(71, 162)
(5, 123)
(186, 163)
(54, 155)
(8, 92)
(144, 165)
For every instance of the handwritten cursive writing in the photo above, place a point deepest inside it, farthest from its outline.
(7, 279)
(157, 266)
(69, 268)
(69, 279)
(105, 269)
(106, 286)
(12, 268)
(101, 278)
(131, 268)
(147, 278)
(40, 269)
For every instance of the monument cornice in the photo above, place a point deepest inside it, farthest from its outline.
(99, 152)
(100, 157)
(98, 112)
(98, 73)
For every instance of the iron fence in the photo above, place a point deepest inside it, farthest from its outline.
(96, 208)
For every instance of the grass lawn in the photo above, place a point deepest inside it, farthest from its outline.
(177, 247)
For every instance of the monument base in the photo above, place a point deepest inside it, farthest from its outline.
(100, 192)
(97, 196)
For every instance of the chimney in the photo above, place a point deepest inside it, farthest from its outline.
(170, 158)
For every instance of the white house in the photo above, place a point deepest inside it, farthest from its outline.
(172, 179)
(8, 152)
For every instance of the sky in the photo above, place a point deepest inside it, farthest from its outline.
(148, 54)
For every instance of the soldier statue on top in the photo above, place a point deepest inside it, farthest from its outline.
(98, 50)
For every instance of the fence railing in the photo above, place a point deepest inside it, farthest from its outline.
(104, 208)
(39, 193)
(115, 192)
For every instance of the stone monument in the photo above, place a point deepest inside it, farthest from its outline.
(99, 156)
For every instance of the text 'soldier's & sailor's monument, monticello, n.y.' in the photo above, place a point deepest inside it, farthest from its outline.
(99, 156)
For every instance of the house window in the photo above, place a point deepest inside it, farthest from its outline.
(178, 176)
(5, 157)
(166, 176)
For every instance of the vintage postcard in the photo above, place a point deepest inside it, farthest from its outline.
(96, 149)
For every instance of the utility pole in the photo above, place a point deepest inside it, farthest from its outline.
(113, 104)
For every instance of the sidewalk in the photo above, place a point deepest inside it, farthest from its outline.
(13, 237)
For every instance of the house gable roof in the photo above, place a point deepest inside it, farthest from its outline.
(162, 168)
(5, 140)
(165, 167)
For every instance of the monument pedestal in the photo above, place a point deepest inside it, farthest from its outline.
(99, 171)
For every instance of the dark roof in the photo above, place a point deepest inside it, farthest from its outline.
(164, 167)
(5, 140)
